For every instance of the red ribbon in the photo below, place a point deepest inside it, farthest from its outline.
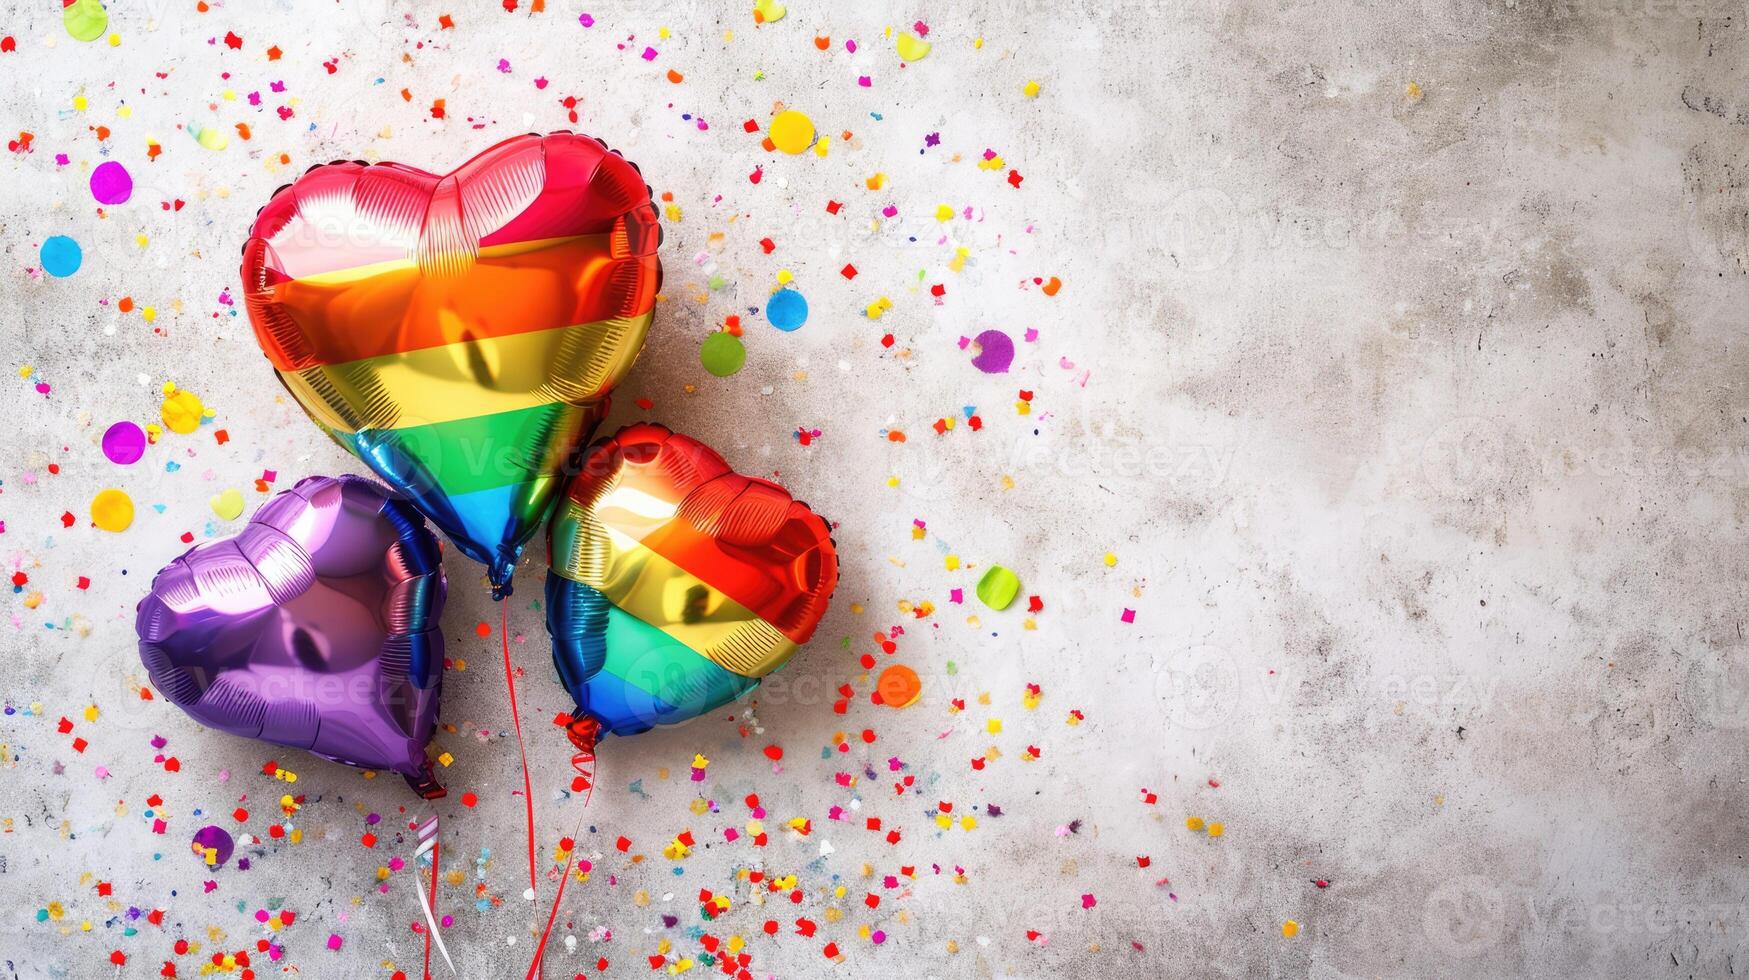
(582, 732)
(521, 749)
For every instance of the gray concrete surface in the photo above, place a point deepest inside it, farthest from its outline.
(1399, 361)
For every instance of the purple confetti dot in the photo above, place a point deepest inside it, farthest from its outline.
(124, 443)
(995, 354)
(216, 839)
(111, 183)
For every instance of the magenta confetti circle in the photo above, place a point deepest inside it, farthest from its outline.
(995, 352)
(124, 443)
(216, 839)
(111, 183)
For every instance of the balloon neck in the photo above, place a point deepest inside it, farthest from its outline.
(499, 575)
(426, 785)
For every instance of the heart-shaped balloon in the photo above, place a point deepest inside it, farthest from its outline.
(460, 333)
(316, 627)
(677, 583)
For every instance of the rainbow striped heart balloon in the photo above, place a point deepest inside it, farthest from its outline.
(677, 583)
(460, 333)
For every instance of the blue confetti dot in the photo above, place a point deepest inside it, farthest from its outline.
(787, 310)
(61, 256)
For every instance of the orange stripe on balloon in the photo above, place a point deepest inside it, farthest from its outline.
(392, 308)
(743, 535)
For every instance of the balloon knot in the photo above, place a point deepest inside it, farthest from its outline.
(583, 733)
(426, 785)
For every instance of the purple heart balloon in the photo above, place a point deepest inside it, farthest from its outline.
(316, 627)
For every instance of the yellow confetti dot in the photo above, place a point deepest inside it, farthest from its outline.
(228, 504)
(952, 562)
(1110, 560)
(26, 370)
(912, 47)
(80, 104)
(1194, 823)
(994, 725)
(182, 410)
(1217, 829)
(944, 212)
(112, 510)
(1290, 928)
(211, 137)
(1414, 93)
(1031, 90)
(791, 131)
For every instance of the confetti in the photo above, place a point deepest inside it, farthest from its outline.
(124, 443)
(998, 587)
(787, 310)
(722, 354)
(112, 510)
(111, 183)
(61, 256)
(791, 131)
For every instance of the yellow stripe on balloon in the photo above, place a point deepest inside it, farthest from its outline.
(478, 377)
(645, 584)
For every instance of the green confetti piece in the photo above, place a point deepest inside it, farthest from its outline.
(998, 587)
(85, 20)
(722, 354)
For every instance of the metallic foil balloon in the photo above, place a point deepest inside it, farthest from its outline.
(316, 627)
(677, 583)
(460, 333)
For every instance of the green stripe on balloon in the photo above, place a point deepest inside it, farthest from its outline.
(480, 453)
(644, 657)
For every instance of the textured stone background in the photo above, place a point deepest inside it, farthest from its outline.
(1398, 361)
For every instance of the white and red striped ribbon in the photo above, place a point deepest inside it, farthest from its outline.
(428, 845)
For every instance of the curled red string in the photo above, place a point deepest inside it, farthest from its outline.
(582, 732)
